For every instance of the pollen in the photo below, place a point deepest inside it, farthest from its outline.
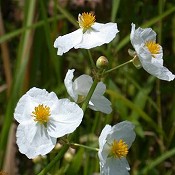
(41, 114)
(153, 47)
(86, 20)
(119, 149)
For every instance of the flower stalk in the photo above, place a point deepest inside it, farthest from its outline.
(117, 67)
(55, 160)
(91, 60)
(83, 146)
(90, 93)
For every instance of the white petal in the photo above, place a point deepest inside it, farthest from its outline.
(82, 84)
(100, 89)
(100, 103)
(69, 84)
(103, 151)
(69, 118)
(66, 42)
(102, 138)
(123, 130)
(114, 165)
(33, 140)
(98, 35)
(27, 103)
(24, 110)
(145, 55)
(140, 36)
(158, 70)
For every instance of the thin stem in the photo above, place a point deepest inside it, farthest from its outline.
(5, 57)
(83, 146)
(158, 93)
(91, 59)
(36, 25)
(159, 160)
(88, 97)
(54, 160)
(18, 82)
(121, 65)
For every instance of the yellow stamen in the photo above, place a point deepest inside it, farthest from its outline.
(153, 47)
(86, 20)
(119, 149)
(41, 114)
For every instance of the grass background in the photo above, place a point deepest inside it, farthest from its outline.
(27, 33)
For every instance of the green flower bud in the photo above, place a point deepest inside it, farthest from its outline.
(136, 62)
(102, 62)
(132, 52)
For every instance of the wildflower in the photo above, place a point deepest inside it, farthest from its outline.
(42, 118)
(90, 34)
(149, 52)
(79, 88)
(114, 144)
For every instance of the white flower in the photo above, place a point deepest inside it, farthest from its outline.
(114, 143)
(90, 34)
(149, 52)
(42, 118)
(79, 88)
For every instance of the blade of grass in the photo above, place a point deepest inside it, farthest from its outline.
(76, 162)
(131, 105)
(17, 32)
(139, 88)
(54, 58)
(22, 59)
(5, 57)
(68, 16)
(154, 20)
(115, 6)
(54, 160)
(158, 92)
(159, 160)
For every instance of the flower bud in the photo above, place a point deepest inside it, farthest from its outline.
(132, 52)
(136, 62)
(39, 159)
(69, 155)
(102, 62)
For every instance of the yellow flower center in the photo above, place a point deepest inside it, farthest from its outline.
(41, 114)
(119, 149)
(153, 47)
(86, 20)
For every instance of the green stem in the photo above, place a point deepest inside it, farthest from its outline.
(121, 65)
(91, 60)
(159, 160)
(83, 146)
(36, 25)
(20, 68)
(55, 160)
(158, 92)
(88, 97)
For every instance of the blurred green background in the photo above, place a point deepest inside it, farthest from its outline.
(28, 29)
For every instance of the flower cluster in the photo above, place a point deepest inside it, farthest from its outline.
(92, 34)
(43, 118)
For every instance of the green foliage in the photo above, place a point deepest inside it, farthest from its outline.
(135, 95)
